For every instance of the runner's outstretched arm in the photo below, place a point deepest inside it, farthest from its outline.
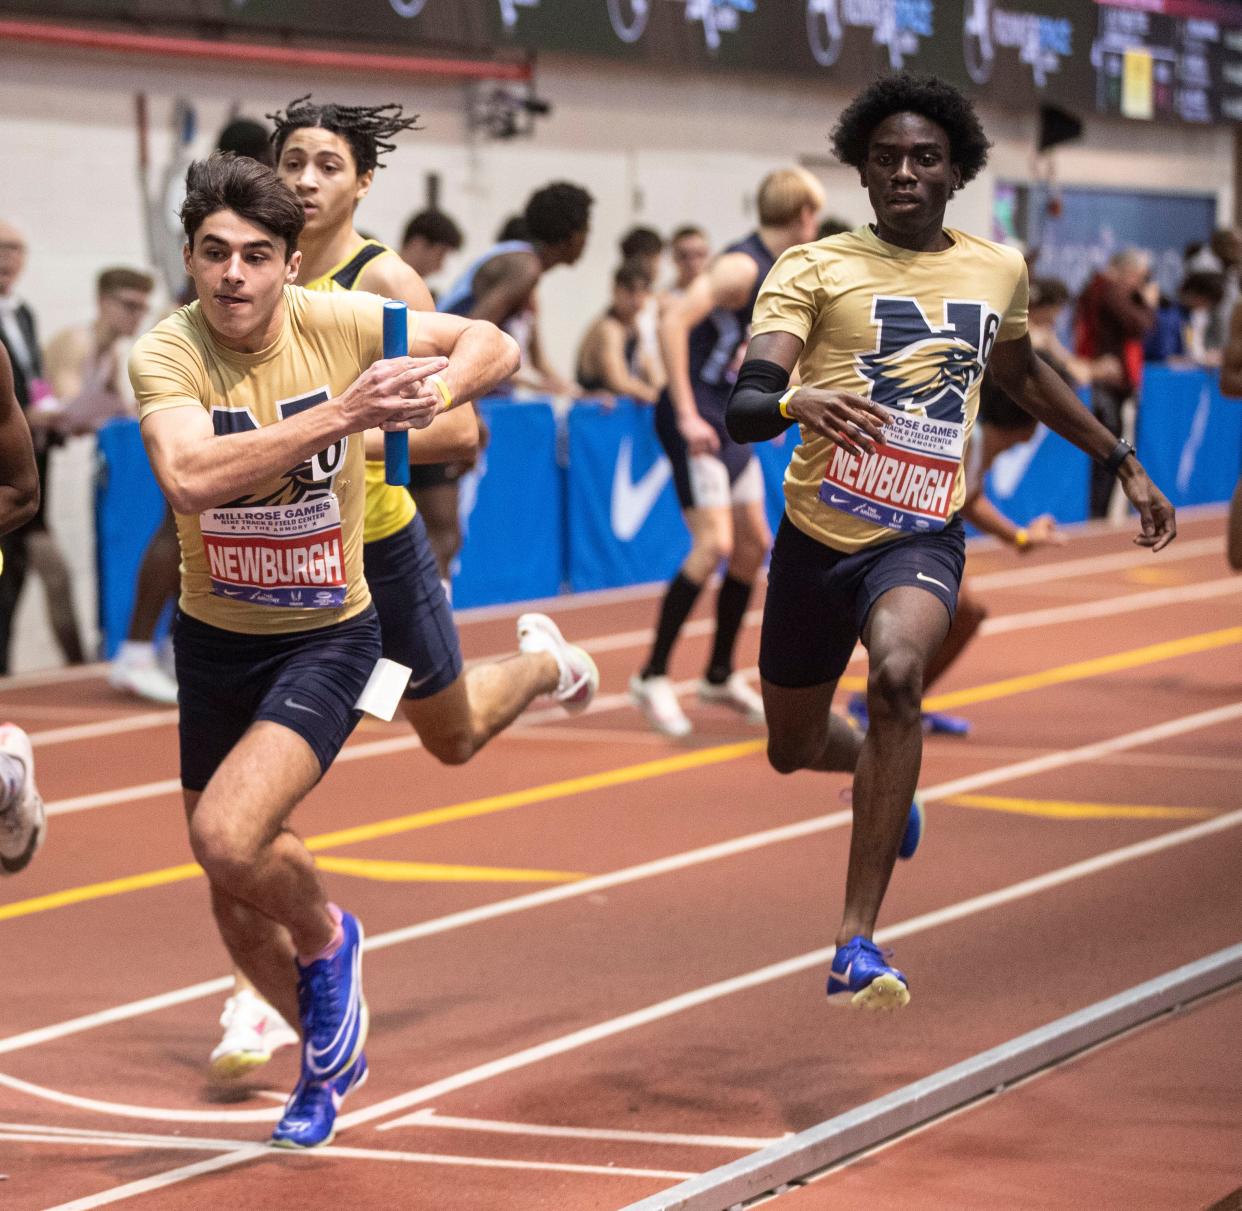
(1037, 388)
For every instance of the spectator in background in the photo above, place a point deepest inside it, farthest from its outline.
(1116, 311)
(248, 137)
(32, 545)
(1221, 254)
(513, 228)
(832, 226)
(644, 247)
(500, 286)
(1184, 326)
(86, 367)
(428, 239)
(611, 357)
(690, 253)
(1048, 298)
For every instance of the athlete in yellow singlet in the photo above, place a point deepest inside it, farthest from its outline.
(22, 818)
(328, 156)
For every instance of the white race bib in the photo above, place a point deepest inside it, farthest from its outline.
(277, 555)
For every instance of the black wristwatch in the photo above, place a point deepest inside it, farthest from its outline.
(1121, 451)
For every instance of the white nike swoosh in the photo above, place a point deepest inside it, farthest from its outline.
(838, 500)
(297, 706)
(933, 580)
(843, 977)
(344, 1031)
(632, 502)
(413, 685)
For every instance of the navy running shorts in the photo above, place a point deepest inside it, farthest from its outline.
(819, 598)
(307, 681)
(416, 623)
(742, 482)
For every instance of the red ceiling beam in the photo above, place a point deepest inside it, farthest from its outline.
(34, 33)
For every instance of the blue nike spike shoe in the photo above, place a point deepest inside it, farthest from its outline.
(861, 979)
(936, 723)
(914, 830)
(856, 712)
(310, 1114)
(332, 1009)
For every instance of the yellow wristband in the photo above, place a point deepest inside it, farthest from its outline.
(783, 406)
(443, 388)
(1022, 538)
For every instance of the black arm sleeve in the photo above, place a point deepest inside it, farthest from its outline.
(753, 414)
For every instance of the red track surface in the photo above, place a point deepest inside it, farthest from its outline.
(554, 1005)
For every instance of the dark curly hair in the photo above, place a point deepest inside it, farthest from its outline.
(366, 128)
(928, 96)
(558, 211)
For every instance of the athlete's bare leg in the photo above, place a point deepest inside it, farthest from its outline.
(803, 732)
(752, 540)
(902, 634)
(458, 721)
(159, 580)
(966, 621)
(438, 505)
(267, 897)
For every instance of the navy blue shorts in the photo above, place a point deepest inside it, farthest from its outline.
(416, 623)
(819, 598)
(307, 682)
(740, 480)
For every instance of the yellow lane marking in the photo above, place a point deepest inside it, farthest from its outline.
(1156, 575)
(437, 872)
(402, 824)
(1058, 809)
(1086, 668)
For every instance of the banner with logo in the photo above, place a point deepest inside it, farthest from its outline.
(1189, 435)
(1044, 475)
(625, 525)
(511, 507)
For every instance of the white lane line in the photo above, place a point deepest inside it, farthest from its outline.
(162, 1114)
(778, 971)
(103, 1140)
(1075, 613)
(659, 866)
(170, 1178)
(429, 1118)
(30, 1133)
(108, 727)
(603, 703)
(624, 640)
(241, 1156)
(118, 1013)
(1091, 565)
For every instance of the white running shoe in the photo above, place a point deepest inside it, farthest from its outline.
(736, 695)
(24, 821)
(136, 670)
(578, 676)
(252, 1031)
(657, 699)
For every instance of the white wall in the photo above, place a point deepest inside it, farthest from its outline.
(651, 147)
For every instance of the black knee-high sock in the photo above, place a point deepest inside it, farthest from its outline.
(730, 610)
(679, 600)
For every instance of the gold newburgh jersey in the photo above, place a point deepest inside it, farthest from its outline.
(912, 331)
(286, 556)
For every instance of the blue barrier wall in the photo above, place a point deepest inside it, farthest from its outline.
(128, 510)
(512, 510)
(1189, 435)
(588, 502)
